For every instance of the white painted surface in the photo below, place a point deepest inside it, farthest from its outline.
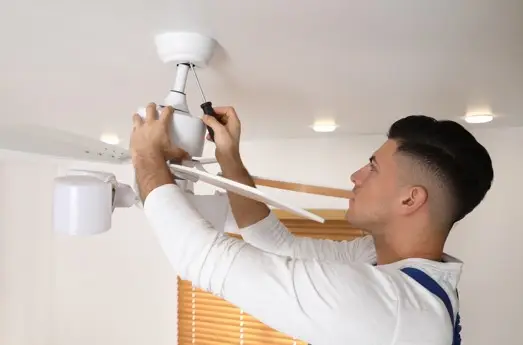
(88, 65)
(26, 253)
(118, 288)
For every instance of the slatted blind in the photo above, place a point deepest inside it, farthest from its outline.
(205, 319)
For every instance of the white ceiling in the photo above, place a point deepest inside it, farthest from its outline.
(87, 65)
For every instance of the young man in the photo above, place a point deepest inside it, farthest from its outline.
(395, 286)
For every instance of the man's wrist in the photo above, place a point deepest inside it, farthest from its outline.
(233, 168)
(152, 171)
(236, 171)
(230, 162)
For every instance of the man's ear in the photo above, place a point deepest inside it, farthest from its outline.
(413, 198)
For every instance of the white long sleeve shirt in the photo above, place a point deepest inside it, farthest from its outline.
(333, 296)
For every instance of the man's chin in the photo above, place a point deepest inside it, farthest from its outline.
(349, 215)
(352, 218)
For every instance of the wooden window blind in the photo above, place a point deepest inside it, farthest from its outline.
(205, 319)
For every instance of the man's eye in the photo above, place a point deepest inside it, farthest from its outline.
(372, 167)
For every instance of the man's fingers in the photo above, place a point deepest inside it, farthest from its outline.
(137, 121)
(228, 111)
(150, 112)
(212, 122)
(228, 116)
(167, 114)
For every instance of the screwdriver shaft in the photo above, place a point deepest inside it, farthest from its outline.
(206, 106)
(198, 82)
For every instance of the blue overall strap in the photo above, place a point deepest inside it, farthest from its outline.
(430, 284)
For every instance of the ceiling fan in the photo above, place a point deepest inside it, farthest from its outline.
(84, 200)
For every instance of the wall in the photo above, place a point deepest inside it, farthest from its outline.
(25, 251)
(118, 287)
(114, 288)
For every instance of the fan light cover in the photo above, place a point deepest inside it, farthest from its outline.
(82, 205)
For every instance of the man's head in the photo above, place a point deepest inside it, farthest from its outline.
(433, 172)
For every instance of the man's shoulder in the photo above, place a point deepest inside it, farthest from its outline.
(363, 249)
(420, 309)
(410, 309)
(446, 272)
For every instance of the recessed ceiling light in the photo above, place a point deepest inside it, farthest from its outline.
(324, 127)
(110, 138)
(478, 117)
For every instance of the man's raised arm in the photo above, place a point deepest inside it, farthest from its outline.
(257, 224)
(227, 129)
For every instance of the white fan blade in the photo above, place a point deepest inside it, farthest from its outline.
(205, 160)
(244, 190)
(304, 188)
(58, 143)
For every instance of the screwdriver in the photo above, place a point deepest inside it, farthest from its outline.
(206, 105)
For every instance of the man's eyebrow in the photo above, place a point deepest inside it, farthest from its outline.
(373, 160)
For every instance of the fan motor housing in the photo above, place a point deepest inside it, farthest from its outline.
(187, 131)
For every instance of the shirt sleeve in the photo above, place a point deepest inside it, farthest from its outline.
(314, 301)
(271, 235)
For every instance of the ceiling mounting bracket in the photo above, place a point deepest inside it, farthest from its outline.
(185, 48)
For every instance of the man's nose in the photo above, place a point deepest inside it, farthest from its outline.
(358, 176)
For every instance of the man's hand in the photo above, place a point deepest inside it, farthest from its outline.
(150, 136)
(227, 130)
(151, 148)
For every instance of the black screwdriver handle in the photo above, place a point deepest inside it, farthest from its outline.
(208, 110)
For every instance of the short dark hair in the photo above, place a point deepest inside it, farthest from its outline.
(452, 154)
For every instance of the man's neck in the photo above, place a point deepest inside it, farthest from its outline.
(394, 245)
